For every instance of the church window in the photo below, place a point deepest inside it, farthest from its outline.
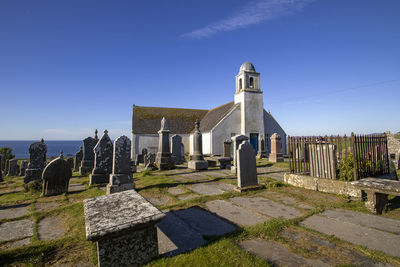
(240, 83)
(251, 82)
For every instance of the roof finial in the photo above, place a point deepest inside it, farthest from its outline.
(163, 124)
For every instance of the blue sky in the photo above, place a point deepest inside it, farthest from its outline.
(68, 67)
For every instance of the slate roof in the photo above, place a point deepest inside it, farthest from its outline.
(147, 120)
(214, 116)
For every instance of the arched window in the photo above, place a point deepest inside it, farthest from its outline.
(240, 83)
(251, 82)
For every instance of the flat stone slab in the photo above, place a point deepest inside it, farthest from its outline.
(223, 186)
(205, 189)
(176, 190)
(16, 229)
(287, 200)
(158, 200)
(368, 220)
(186, 197)
(383, 186)
(46, 206)
(76, 187)
(233, 213)
(165, 245)
(15, 244)
(50, 228)
(11, 190)
(217, 174)
(13, 211)
(204, 222)
(180, 234)
(356, 234)
(195, 176)
(277, 253)
(267, 207)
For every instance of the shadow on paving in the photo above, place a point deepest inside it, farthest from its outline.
(187, 229)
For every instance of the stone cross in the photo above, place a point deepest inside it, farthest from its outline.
(56, 177)
(121, 176)
(176, 149)
(88, 155)
(246, 166)
(13, 169)
(227, 148)
(237, 140)
(24, 165)
(102, 161)
(37, 161)
(197, 161)
(163, 158)
(276, 149)
(78, 159)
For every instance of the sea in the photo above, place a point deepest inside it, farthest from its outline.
(21, 148)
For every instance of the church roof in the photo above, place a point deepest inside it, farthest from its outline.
(214, 116)
(147, 120)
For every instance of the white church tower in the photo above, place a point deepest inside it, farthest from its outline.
(250, 97)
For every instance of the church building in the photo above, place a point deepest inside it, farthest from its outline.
(245, 115)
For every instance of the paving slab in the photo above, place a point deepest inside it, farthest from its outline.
(356, 234)
(223, 186)
(217, 174)
(11, 190)
(50, 228)
(176, 190)
(186, 197)
(76, 187)
(12, 212)
(329, 252)
(16, 229)
(15, 244)
(204, 222)
(207, 189)
(277, 253)
(182, 236)
(158, 200)
(368, 220)
(286, 200)
(267, 207)
(165, 245)
(233, 213)
(46, 206)
(195, 176)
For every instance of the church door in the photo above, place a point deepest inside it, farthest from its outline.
(254, 141)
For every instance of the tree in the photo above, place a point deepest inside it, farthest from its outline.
(6, 153)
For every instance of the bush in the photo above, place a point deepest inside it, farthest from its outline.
(345, 170)
(6, 153)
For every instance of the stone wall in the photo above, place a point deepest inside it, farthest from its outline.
(393, 143)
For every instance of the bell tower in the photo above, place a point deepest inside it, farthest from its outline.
(250, 97)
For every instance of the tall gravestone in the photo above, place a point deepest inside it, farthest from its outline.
(37, 162)
(56, 177)
(6, 168)
(227, 147)
(176, 149)
(78, 159)
(121, 176)
(163, 157)
(22, 170)
(276, 149)
(237, 140)
(88, 155)
(197, 161)
(262, 148)
(13, 169)
(246, 166)
(103, 153)
(1, 173)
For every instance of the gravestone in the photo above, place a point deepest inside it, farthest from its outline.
(227, 148)
(37, 162)
(262, 149)
(24, 165)
(176, 149)
(70, 162)
(78, 159)
(197, 161)
(88, 154)
(163, 158)
(149, 160)
(276, 149)
(121, 176)
(246, 166)
(6, 168)
(13, 169)
(56, 177)
(102, 160)
(237, 140)
(1, 173)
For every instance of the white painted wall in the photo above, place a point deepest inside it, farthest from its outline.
(206, 140)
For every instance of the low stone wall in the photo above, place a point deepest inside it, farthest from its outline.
(322, 184)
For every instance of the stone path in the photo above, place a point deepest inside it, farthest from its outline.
(50, 228)
(286, 200)
(12, 212)
(16, 230)
(46, 206)
(76, 187)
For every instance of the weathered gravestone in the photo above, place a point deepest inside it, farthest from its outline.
(56, 177)
(24, 165)
(227, 147)
(176, 149)
(13, 169)
(70, 162)
(246, 167)
(149, 160)
(78, 159)
(1, 174)
(6, 168)
(88, 155)
(102, 160)
(237, 140)
(163, 158)
(262, 153)
(197, 161)
(276, 149)
(121, 177)
(37, 162)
